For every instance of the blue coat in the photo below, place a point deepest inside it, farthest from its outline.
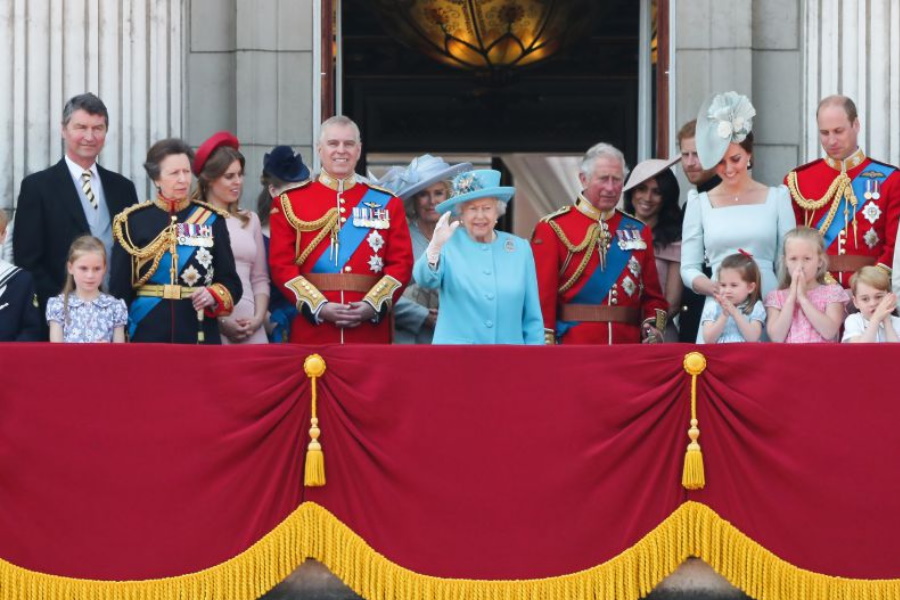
(489, 292)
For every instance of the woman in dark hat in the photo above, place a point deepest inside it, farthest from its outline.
(172, 261)
(283, 169)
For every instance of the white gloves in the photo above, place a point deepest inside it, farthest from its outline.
(442, 232)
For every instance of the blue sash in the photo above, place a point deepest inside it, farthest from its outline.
(596, 289)
(873, 172)
(350, 236)
(142, 305)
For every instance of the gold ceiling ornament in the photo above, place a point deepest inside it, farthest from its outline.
(487, 35)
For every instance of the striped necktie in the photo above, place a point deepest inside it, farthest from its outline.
(86, 188)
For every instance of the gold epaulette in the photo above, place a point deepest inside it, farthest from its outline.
(133, 208)
(562, 211)
(296, 185)
(630, 216)
(806, 166)
(381, 189)
(207, 205)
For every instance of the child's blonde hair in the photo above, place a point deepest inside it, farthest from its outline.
(4, 220)
(873, 277)
(744, 264)
(812, 236)
(85, 244)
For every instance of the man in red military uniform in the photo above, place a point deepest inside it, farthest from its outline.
(595, 266)
(853, 200)
(340, 248)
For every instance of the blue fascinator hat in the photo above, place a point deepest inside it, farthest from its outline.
(284, 164)
(723, 119)
(472, 185)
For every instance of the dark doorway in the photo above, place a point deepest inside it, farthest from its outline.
(406, 102)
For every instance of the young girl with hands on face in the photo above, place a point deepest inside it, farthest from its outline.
(805, 309)
(875, 322)
(737, 314)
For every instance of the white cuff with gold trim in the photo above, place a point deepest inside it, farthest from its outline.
(382, 293)
(305, 293)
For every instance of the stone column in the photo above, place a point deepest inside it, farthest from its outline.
(853, 48)
(250, 71)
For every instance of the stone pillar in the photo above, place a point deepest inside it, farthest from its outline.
(853, 48)
(250, 71)
(128, 52)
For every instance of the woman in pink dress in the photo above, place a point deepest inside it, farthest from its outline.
(219, 167)
(651, 195)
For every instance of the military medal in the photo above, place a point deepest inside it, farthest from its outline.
(371, 216)
(376, 242)
(635, 267)
(871, 212)
(204, 257)
(875, 193)
(868, 193)
(376, 263)
(190, 276)
(871, 238)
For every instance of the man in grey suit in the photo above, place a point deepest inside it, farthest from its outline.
(74, 197)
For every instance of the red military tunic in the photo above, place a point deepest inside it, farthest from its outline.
(583, 302)
(824, 193)
(339, 241)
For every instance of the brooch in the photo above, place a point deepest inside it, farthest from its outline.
(376, 263)
(871, 212)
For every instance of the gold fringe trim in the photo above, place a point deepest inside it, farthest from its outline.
(311, 531)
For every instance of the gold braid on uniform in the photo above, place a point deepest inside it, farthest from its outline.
(589, 243)
(141, 256)
(327, 224)
(841, 187)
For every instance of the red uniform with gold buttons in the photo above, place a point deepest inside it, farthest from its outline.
(597, 276)
(855, 204)
(339, 240)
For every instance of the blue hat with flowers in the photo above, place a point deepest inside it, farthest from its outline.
(422, 172)
(472, 185)
(284, 164)
(723, 119)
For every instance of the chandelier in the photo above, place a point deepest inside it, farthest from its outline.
(486, 35)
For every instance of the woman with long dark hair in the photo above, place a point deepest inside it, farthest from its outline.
(651, 195)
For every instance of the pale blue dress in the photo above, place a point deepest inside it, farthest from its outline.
(731, 333)
(488, 292)
(710, 234)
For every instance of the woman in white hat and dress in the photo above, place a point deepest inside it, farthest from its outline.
(486, 278)
(738, 214)
(651, 194)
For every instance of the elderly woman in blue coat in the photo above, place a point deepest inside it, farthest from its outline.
(486, 278)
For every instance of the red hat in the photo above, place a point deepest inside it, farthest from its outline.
(216, 140)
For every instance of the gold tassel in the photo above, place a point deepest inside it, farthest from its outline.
(314, 470)
(693, 476)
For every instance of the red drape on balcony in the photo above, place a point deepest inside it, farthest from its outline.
(488, 463)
